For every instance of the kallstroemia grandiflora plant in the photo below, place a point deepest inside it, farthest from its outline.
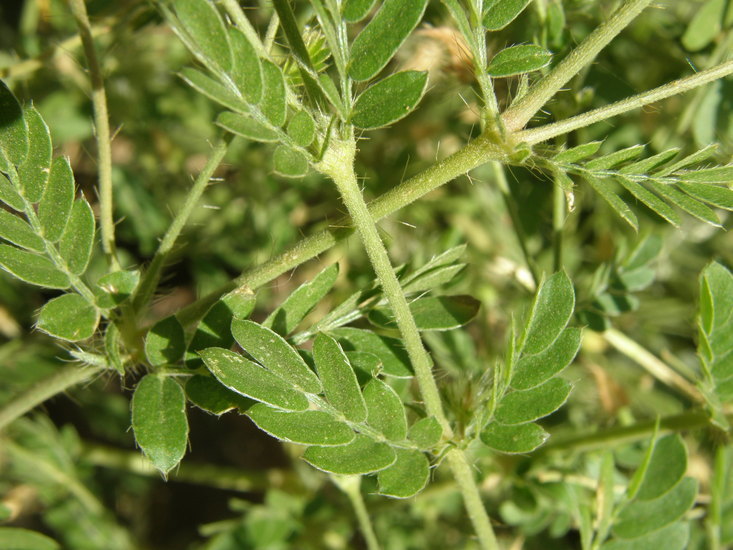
(355, 389)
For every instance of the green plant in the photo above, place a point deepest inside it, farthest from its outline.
(344, 373)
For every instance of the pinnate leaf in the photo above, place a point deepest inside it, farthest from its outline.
(389, 100)
(273, 98)
(362, 456)
(551, 311)
(502, 12)
(580, 152)
(307, 427)
(32, 268)
(165, 342)
(8, 191)
(407, 476)
(654, 203)
(13, 127)
(519, 407)
(338, 379)
(55, 206)
(432, 313)
(159, 420)
(685, 202)
(69, 317)
(274, 353)
(246, 69)
(240, 301)
(247, 127)
(519, 60)
(77, 240)
(34, 171)
(17, 231)
(386, 412)
(249, 379)
(394, 358)
(202, 22)
(614, 201)
(722, 197)
(212, 89)
(521, 438)
(379, 40)
(533, 370)
(614, 159)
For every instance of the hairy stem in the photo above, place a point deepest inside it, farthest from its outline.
(66, 377)
(101, 124)
(152, 276)
(548, 131)
(517, 116)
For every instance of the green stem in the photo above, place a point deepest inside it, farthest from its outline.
(517, 116)
(472, 499)
(558, 222)
(104, 145)
(152, 276)
(351, 486)
(548, 131)
(66, 377)
(237, 14)
(714, 520)
(338, 164)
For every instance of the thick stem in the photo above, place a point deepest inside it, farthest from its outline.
(676, 87)
(66, 377)
(152, 276)
(101, 124)
(523, 110)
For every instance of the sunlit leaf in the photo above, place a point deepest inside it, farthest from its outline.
(302, 128)
(34, 171)
(273, 97)
(214, 330)
(246, 126)
(519, 407)
(55, 206)
(356, 10)
(502, 12)
(533, 370)
(654, 203)
(69, 317)
(307, 427)
(389, 100)
(32, 268)
(722, 197)
(289, 162)
(521, 438)
(17, 231)
(580, 152)
(212, 89)
(202, 22)
(361, 456)
(621, 208)
(433, 313)
(77, 240)
(246, 69)
(614, 159)
(672, 537)
(552, 308)
(685, 202)
(116, 287)
(386, 412)
(518, 60)
(338, 379)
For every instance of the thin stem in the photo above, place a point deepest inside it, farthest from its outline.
(714, 523)
(237, 14)
(472, 499)
(66, 377)
(653, 365)
(558, 222)
(523, 110)
(104, 145)
(548, 131)
(351, 485)
(150, 280)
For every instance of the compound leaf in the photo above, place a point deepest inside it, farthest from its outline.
(165, 342)
(8, 191)
(13, 126)
(722, 197)
(389, 100)
(17, 231)
(246, 70)
(533, 370)
(552, 308)
(159, 420)
(361, 456)
(502, 12)
(274, 353)
(580, 152)
(666, 468)
(34, 170)
(273, 98)
(251, 380)
(519, 407)
(69, 317)
(654, 203)
(521, 438)
(212, 89)
(338, 378)
(407, 476)
(613, 200)
(614, 159)
(77, 240)
(379, 40)
(519, 60)
(685, 202)
(32, 268)
(394, 358)
(386, 412)
(247, 127)
(307, 427)
(202, 22)
(55, 206)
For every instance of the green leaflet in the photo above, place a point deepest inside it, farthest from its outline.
(68, 317)
(695, 158)
(391, 353)
(213, 90)
(641, 517)
(32, 268)
(165, 342)
(361, 456)
(502, 12)
(614, 159)
(208, 394)
(16, 538)
(654, 203)
(246, 70)
(302, 129)
(17, 231)
(722, 197)
(246, 127)
(34, 171)
(274, 353)
(379, 40)
(648, 164)
(574, 154)
(552, 308)
(621, 208)
(705, 25)
(289, 162)
(8, 192)
(406, 477)
(273, 98)
(213, 331)
(116, 287)
(338, 378)
(301, 301)
(716, 307)
(307, 428)
(685, 202)
(159, 420)
(251, 380)
(389, 100)
(55, 206)
(356, 10)
(13, 127)
(385, 410)
(433, 313)
(204, 25)
(666, 468)
(77, 239)
(519, 407)
(672, 537)
(533, 370)
(425, 433)
(521, 438)
(445, 260)
(240, 301)
(519, 60)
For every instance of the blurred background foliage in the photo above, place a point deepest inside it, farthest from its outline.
(71, 469)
